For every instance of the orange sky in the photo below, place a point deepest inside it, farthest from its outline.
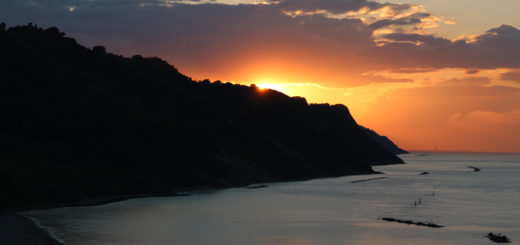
(421, 109)
(424, 91)
(430, 74)
(446, 110)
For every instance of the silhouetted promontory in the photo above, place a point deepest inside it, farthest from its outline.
(384, 141)
(80, 123)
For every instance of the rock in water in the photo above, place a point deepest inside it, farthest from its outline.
(498, 238)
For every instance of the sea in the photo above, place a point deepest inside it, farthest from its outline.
(468, 204)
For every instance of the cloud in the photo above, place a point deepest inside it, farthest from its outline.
(467, 81)
(373, 78)
(410, 71)
(485, 130)
(433, 104)
(331, 6)
(337, 39)
(413, 19)
(418, 40)
(472, 71)
(511, 76)
(467, 113)
(480, 120)
(497, 48)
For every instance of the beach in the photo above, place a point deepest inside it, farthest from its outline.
(16, 229)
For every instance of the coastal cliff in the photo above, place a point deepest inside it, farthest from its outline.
(81, 123)
(384, 141)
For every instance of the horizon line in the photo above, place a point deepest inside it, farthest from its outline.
(461, 151)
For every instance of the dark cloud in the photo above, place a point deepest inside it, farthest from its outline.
(408, 20)
(511, 76)
(333, 6)
(499, 36)
(425, 40)
(472, 71)
(493, 49)
(417, 70)
(341, 6)
(219, 37)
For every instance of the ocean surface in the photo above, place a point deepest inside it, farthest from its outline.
(332, 211)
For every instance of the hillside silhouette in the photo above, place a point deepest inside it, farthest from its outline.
(80, 123)
(384, 141)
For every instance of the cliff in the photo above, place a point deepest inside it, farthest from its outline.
(384, 141)
(80, 123)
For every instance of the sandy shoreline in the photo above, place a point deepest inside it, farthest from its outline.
(16, 229)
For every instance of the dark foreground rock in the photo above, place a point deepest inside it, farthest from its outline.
(79, 123)
(409, 222)
(498, 238)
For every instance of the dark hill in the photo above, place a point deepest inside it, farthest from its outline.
(79, 123)
(384, 141)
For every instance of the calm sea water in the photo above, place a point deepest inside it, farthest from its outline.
(322, 211)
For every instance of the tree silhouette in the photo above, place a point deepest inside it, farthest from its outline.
(99, 50)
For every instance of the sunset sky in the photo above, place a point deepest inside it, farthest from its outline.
(429, 74)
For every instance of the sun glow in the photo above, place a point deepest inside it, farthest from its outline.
(274, 86)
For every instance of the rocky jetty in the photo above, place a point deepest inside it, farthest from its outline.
(409, 222)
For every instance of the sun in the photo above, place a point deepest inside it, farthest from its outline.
(269, 84)
(272, 86)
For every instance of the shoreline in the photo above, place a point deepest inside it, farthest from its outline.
(17, 228)
(180, 191)
(20, 230)
(48, 231)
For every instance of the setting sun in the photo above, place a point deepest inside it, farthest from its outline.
(274, 86)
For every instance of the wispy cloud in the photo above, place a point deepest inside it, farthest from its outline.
(511, 76)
